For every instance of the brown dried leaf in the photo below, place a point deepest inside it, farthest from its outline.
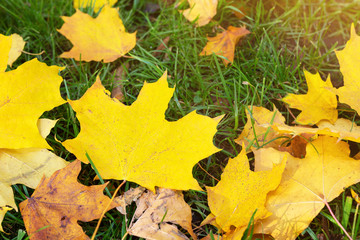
(128, 197)
(166, 208)
(297, 147)
(161, 46)
(120, 74)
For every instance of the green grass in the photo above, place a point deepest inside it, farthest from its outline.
(286, 37)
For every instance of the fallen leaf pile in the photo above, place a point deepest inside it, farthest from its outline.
(22, 143)
(297, 169)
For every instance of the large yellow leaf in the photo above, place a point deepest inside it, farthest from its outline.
(349, 59)
(224, 43)
(136, 143)
(95, 39)
(25, 94)
(95, 4)
(240, 192)
(10, 49)
(318, 104)
(257, 131)
(306, 184)
(202, 10)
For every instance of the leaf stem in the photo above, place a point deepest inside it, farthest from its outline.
(106, 209)
(336, 220)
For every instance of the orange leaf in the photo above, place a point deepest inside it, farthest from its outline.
(59, 202)
(223, 44)
(102, 38)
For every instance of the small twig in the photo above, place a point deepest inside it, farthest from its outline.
(33, 54)
(124, 236)
(207, 172)
(106, 209)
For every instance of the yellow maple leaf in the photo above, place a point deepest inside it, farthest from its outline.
(255, 134)
(136, 143)
(202, 10)
(349, 60)
(95, 39)
(318, 104)
(306, 184)
(95, 4)
(10, 49)
(240, 192)
(34, 88)
(223, 44)
(34, 94)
